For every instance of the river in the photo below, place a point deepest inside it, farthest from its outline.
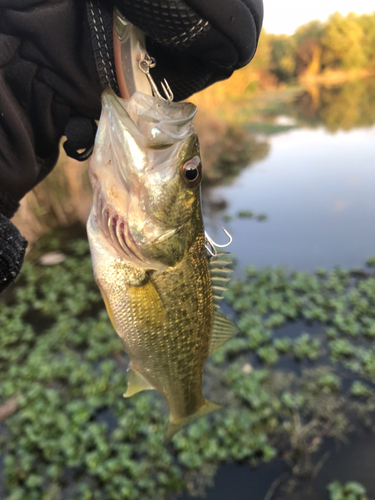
(317, 190)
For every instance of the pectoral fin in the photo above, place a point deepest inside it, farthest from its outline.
(223, 330)
(205, 409)
(153, 316)
(136, 383)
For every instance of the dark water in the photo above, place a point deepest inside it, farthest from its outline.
(241, 482)
(344, 465)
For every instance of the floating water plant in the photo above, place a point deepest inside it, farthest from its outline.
(67, 431)
(348, 491)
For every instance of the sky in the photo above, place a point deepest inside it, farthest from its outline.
(285, 17)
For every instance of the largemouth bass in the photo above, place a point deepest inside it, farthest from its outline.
(147, 240)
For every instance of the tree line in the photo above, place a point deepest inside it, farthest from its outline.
(340, 43)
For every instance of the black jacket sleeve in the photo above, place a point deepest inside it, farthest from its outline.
(56, 57)
(47, 73)
(47, 76)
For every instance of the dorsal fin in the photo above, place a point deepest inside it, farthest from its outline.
(223, 330)
(219, 276)
(136, 383)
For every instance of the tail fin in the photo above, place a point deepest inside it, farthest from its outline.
(205, 409)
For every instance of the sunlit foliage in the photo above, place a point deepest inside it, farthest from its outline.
(342, 43)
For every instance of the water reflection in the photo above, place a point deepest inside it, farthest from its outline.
(227, 149)
(340, 107)
(317, 190)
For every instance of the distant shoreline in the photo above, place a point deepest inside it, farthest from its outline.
(332, 77)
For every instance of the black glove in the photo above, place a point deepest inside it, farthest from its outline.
(12, 245)
(196, 42)
(56, 57)
(12, 251)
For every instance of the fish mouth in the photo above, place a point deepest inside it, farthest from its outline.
(132, 142)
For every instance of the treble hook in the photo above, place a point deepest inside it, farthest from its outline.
(210, 244)
(144, 65)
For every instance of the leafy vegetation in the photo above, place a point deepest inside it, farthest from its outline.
(72, 435)
(329, 53)
(340, 43)
(339, 107)
(349, 491)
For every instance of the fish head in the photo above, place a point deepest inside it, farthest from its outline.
(146, 173)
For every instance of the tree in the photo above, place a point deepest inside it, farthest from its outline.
(342, 42)
(312, 29)
(283, 56)
(262, 56)
(367, 24)
(309, 48)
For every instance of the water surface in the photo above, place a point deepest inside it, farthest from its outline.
(318, 191)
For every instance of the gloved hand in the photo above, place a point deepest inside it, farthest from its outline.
(56, 57)
(196, 42)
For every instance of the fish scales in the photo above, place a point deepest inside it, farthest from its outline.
(148, 249)
(168, 345)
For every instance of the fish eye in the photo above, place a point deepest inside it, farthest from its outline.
(191, 172)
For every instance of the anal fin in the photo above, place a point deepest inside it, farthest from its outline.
(205, 409)
(136, 383)
(223, 330)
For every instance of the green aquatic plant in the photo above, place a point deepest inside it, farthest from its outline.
(268, 354)
(70, 433)
(351, 490)
(245, 214)
(227, 217)
(248, 214)
(329, 383)
(306, 347)
(360, 389)
(341, 302)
